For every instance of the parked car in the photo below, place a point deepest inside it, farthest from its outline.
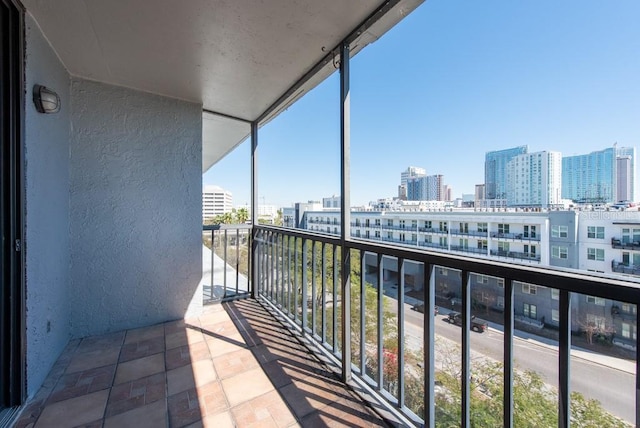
(420, 308)
(478, 325)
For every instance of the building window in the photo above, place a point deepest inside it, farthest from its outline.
(427, 224)
(464, 243)
(377, 222)
(483, 227)
(366, 234)
(630, 235)
(366, 222)
(530, 311)
(402, 238)
(629, 331)
(389, 235)
(529, 289)
(559, 252)
(357, 233)
(427, 239)
(595, 321)
(483, 279)
(596, 300)
(629, 308)
(530, 250)
(414, 224)
(555, 294)
(595, 254)
(414, 237)
(555, 315)
(443, 226)
(529, 231)
(443, 241)
(401, 224)
(482, 244)
(558, 231)
(595, 232)
(389, 222)
(464, 227)
(503, 248)
(503, 228)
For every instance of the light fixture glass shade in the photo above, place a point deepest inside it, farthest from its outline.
(45, 100)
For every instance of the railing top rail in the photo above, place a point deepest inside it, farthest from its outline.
(627, 289)
(226, 226)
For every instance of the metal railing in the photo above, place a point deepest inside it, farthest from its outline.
(516, 236)
(230, 247)
(516, 255)
(300, 273)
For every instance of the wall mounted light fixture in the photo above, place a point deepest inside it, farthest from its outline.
(46, 100)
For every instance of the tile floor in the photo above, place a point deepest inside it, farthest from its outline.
(236, 365)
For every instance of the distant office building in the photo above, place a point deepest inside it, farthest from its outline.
(495, 171)
(215, 201)
(596, 177)
(402, 192)
(331, 202)
(534, 179)
(426, 188)
(479, 194)
(412, 171)
(624, 182)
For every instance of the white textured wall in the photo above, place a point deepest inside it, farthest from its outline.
(47, 211)
(136, 194)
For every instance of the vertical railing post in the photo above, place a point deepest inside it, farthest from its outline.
(334, 327)
(303, 305)
(296, 283)
(429, 345)
(363, 306)
(324, 294)
(254, 206)
(224, 265)
(466, 350)
(314, 304)
(345, 205)
(508, 354)
(237, 261)
(213, 247)
(564, 361)
(400, 355)
(379, 317)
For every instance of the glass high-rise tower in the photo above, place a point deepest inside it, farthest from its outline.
(495, 171)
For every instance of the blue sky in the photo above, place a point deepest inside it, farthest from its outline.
(453, 80)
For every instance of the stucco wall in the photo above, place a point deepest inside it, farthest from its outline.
(136, 207)
(47, 211)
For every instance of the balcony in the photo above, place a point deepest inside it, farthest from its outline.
(234, 365)
(618, 244)
(516, 255)
(469, 249)
(625, 268)
(468, 233)
(515, 236)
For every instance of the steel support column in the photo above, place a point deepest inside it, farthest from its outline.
(345, 213)
(564, 361)
(254, 208)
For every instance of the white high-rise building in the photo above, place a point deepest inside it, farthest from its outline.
(534, 179)
(215, 201)
(412, 171)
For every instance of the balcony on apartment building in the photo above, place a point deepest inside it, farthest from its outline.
(625, 244)
(515, 236)
(626, 268)
(304, 329)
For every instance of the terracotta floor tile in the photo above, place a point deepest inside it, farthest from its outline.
(219, 420)
(81, 383)
(233, 363)
(183, 355)
(144, 333)
(137, 393)
(266, 410)
(213, 318)
(211, 398)
(137, 369)
(102, 342)
(223, 345)
(92, 359)
(184, 408)
(236, 390)
(310, 394)
(190, 376)
(183, 337)
(345, 413)
(143, 348)
(75, 411)
(176, 326)
(152, 415)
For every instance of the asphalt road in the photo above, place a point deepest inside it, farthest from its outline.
(614, 388)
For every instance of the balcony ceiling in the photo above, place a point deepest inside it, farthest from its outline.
(236, 57)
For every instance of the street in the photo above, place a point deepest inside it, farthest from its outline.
(613, 387)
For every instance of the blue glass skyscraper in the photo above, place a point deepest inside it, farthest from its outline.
(495, 171)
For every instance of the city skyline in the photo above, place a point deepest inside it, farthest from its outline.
(551, 76)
